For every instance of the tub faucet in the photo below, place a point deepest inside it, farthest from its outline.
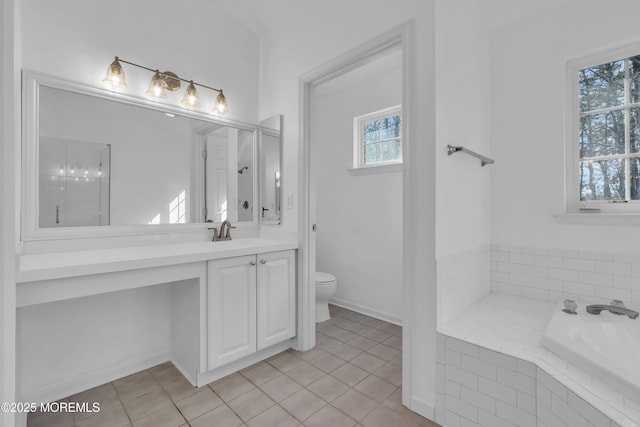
(615, 307)
(570, 306)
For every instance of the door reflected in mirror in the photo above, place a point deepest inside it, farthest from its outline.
(95, 160)
(229, 175)
(271, 170)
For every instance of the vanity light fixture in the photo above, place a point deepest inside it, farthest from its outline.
(161, 82)
(191, 96)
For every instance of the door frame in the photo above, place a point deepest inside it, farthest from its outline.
(401, 36)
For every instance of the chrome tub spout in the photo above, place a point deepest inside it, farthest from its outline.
(616, 307)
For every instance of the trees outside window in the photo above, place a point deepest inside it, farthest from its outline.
(609, 134)
(377, 138)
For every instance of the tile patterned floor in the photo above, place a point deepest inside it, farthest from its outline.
(351, 378)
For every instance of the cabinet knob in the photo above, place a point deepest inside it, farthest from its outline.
(263, 261)
(252, 263)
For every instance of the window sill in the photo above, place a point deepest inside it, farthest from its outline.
(598, 218)
(369, 170)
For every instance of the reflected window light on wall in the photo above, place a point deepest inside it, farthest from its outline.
(177, 209)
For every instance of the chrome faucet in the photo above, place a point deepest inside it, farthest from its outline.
(215, 233)
(225, 230)
(615, 307)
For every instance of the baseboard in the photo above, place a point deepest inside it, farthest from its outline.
(423, 408)
(362, 309)
(221, 372)
(193, 379)
(93, 379)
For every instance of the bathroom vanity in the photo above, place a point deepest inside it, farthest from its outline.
(116, 269)
(233, 303)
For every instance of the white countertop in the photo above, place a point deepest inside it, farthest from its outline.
(38, 267)
(514, 325)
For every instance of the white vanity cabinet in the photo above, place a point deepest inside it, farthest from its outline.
(276, 304)
(209, 308)
(231, 308)
(250, 305)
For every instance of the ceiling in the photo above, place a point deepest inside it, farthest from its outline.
(263, 16)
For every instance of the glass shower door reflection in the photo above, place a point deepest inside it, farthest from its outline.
(74, 183)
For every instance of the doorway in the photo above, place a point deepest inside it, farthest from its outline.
(356, 183)
(397, 38)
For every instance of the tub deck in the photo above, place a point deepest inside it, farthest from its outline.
(514, 326)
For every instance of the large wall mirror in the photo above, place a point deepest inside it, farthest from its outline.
(96, 160)
(271, 170)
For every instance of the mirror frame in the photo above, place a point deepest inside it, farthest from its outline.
(262, 181)
(32, 81)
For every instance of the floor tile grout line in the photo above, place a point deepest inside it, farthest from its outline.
(155, 379)
(336, 332)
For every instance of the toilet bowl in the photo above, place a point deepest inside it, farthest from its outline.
(326, 286)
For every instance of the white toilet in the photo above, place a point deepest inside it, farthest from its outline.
(326, 286)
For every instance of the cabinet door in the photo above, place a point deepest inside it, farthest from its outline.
(231, 309)
(276, 298)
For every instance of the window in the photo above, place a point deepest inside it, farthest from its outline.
(377, 138)
(605, 136)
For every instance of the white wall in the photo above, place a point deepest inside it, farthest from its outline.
(528, 63)
(10, 125)
(462, 185)
(197, 40)
(359, 217)
(97, 335)
(329, 29)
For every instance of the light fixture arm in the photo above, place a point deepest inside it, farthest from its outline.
(167, 75)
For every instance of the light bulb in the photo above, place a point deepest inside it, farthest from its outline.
(221, 104)
(157, 86)
(115, 75)
(191, 96)
(86, 171)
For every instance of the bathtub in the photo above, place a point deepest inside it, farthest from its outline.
(606, 346)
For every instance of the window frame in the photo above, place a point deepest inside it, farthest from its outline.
(358, 137)
(572, 128)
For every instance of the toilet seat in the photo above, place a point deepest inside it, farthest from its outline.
(326, 285)
(324, 278)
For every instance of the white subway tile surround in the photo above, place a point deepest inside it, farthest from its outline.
(557, 274)
(492, 371)
(463, 279)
